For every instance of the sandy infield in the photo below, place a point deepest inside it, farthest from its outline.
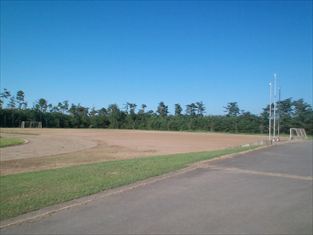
(53, 148)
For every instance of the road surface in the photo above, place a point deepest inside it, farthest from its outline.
(267, 191)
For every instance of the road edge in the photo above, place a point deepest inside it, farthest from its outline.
(47, 211)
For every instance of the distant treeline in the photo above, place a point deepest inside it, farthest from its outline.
(293, 113)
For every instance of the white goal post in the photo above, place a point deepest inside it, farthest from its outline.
(31, 124)
(297, 133)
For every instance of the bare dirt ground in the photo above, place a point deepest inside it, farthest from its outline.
(54, 148)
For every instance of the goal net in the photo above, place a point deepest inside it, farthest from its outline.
(297, 133)
(31, 124)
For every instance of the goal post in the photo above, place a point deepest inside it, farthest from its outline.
(31, 124)
(297, 133)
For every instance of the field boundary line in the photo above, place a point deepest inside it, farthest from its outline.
(263, 173)
(38, 214)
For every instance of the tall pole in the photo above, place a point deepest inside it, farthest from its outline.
(274, 125)
(270, 115)
(278, 119)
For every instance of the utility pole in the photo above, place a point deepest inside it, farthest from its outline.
(274, 125)
(278, 119)
(270, 115)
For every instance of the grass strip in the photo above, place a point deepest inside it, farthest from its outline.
(8, 141)
(25, 192)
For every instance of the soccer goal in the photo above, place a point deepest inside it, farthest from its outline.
(297, 133)
(31, 124)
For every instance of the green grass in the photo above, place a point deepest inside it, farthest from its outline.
(8, 141)
(25, 192)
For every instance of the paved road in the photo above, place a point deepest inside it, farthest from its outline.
(268, 191)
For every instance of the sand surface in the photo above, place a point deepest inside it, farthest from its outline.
(52, 148)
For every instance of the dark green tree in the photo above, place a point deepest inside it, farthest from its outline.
(200, 108)
(303, 115)
(178, 110)
(142, 109)
(162, 109)
(20, 99)
(284, 112)
(191, 109)
(116, 116)
(41, 105)
(93, 112)
(63, 107)
(4, 96)
(132, 108)
(232, 109)
(301, 107)
(12, 103)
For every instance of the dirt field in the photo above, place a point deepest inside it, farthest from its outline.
(54, 148)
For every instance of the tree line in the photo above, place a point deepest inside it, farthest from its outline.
(14, 109)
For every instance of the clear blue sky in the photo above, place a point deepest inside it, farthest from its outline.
(100, 52)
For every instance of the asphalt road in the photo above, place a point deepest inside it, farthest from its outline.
(268, 191)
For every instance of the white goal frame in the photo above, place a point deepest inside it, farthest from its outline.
(297, 133)
(31, 124)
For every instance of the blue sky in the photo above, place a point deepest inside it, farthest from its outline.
(99, 52)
